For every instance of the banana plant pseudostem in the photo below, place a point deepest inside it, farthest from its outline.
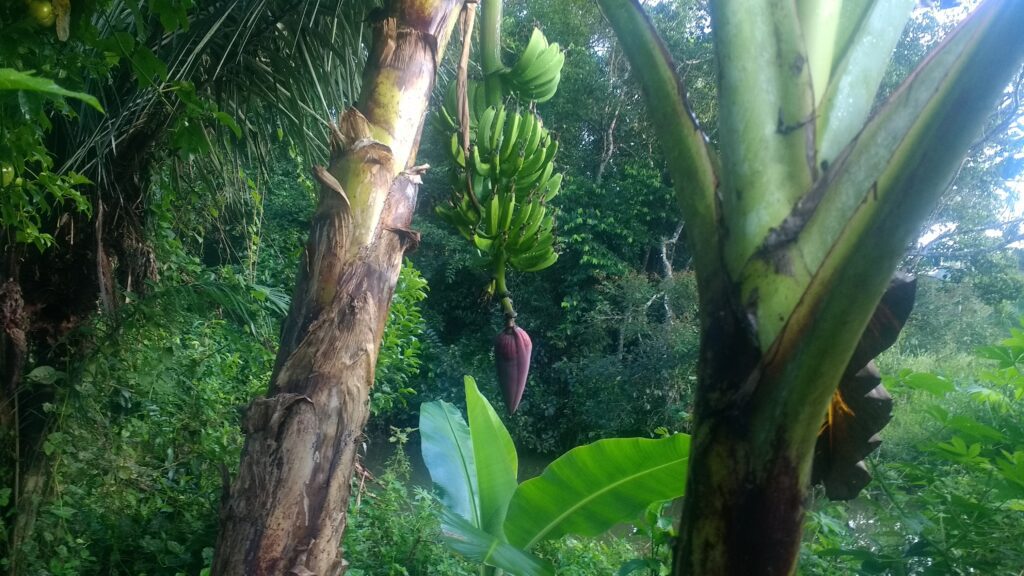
(797, 223)
(285, 512)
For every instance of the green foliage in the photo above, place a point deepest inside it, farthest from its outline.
(34, 188)
(586, 491)
(950, 316)
(587, 556)
(640, 339)
(31, 187)
(394, 531)
(138, 434)
(947, 503)
(138, 443)
(399, 359)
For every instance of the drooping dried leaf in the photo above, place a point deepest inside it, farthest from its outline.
(861, 406)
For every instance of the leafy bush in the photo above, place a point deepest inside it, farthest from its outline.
(395, 531)
(134, 459)
(399, 360)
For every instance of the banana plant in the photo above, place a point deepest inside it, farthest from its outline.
(491, 519)
(503, 178)
(284, 513)
(797, 222)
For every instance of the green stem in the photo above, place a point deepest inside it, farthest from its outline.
(501, 290)
(490, 49)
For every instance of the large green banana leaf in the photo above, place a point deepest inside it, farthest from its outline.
(594, 487)
(496, 460)
(475, 544)
(586, 491)
(448, 453)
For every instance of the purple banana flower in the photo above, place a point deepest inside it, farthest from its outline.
(512, 349)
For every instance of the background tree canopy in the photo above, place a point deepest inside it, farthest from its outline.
(151, 239)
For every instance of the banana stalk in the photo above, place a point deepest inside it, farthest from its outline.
(796, 232)
(285, 511)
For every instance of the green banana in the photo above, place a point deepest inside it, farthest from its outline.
(536, 136)
(477, 102)
(450, 122)
(550, 188)
(537, 73)
(479, 166)
(534, 181)
(508, 206)
(537, 44)
(458, 154)
(468, 212)
(484, 127)
(511, 135)
(493, 215)
(529, 229)
(521, 216)
(535, 160)
(545, 66)
(535, 243)
(452, 215)
(512, 167)
(497, 130)
(476, 96)
(534, 261)
(542, 92)
(531, 242)
(482, 243)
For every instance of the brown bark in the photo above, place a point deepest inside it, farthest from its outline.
(744, 499)
(285, 512)
(13, 347)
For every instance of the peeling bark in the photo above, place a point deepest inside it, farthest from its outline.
(13, 326)
(285, 512)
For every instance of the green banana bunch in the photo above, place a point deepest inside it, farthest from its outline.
(511, 170)
(509, 165)
(518, 231)
(537, 73)
(511, 149)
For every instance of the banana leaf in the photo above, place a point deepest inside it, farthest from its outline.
(496, 460)
(448, 453)
(11, 79)
(594, 487)
(475, 544)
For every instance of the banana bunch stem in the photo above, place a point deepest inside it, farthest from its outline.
(501, 290)
(490, 48)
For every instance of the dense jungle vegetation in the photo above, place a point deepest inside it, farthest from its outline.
(156, 196)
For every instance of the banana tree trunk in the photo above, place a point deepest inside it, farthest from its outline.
(797, 223)
(285, 512)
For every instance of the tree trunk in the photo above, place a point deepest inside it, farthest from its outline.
(744, 503)
(743, 509)
(285, 512)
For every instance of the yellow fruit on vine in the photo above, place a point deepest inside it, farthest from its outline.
(42, 12)
(6, 174)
